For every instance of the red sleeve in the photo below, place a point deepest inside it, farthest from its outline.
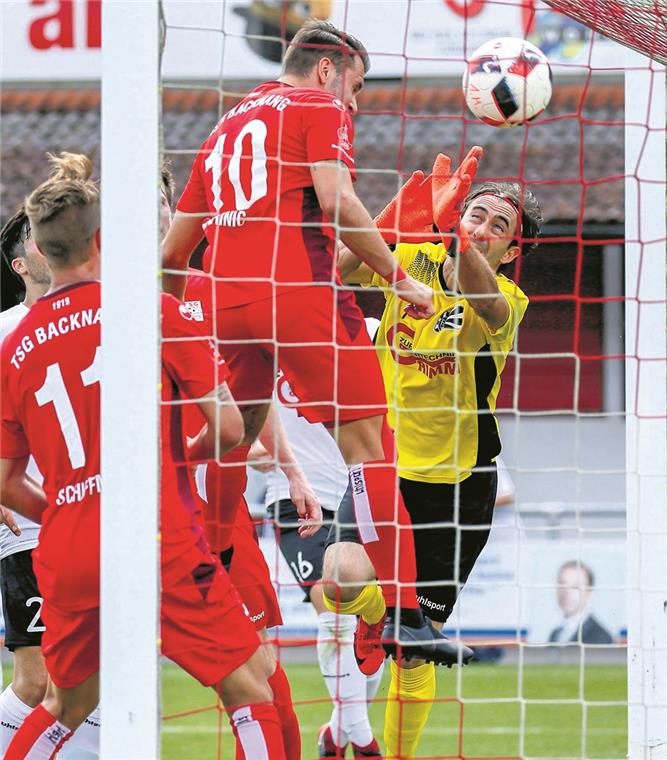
(189, 358)
(13, 443)
(194, 200)
(329, 132)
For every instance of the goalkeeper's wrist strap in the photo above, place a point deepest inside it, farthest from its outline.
(396, 275)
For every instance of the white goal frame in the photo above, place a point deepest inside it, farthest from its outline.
(130, 422)
(130, 390)
(645, 404)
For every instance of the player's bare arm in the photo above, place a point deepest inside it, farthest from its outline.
(183, 237)
(336, 196)
(352, 269)
(472, 275)
(223, 429)
(19, 492)
(274, 440)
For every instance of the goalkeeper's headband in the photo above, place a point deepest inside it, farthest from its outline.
(519, 216)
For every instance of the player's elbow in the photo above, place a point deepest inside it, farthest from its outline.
(337, 205)
(493, 311)
(231, 429)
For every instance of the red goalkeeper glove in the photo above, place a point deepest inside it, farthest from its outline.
(449, 191)
(409, 214)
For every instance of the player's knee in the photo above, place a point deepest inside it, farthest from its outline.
(30, 676)
(30, 690)
(345, 571)
(247, 685)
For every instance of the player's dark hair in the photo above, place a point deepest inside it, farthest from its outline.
(167, 181)
(12, 238)
(524, 202)
(578, 565)
(321, 39)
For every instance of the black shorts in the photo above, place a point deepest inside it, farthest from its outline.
(303, 555)
(21, 601)
(447, 544)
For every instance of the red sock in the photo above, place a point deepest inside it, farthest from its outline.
(385, 526)
(282, 699)
(225, 485)
(40, 737)
(257, 731)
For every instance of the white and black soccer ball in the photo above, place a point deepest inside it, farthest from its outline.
(507, 82)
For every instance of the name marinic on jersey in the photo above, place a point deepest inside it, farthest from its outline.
(279, 102)
(46, 332)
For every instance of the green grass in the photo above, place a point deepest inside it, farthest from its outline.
(486, 721)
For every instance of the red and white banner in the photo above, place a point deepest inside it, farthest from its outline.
(60, 40)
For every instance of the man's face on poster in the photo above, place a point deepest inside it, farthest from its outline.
(573, 590)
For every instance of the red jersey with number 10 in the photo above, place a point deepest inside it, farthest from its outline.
(251, 182)
(51, 372)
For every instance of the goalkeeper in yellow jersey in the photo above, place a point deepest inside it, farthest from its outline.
(442, 377)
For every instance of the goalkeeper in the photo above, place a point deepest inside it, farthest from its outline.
(442, 377)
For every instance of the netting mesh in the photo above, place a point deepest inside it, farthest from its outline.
(637, 24)
(540, 690)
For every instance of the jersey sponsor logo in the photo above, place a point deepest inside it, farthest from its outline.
(400, 337)
(43, 333)
(196, 310)
(302, 568)
(79, 491)
(185, 312)
(452, 319)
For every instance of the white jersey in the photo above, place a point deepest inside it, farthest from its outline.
(9, 543)
(314, 449)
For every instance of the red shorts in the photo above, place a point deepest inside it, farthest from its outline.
(204, 627)
(70, 644)
(250, 574)
(317, 337)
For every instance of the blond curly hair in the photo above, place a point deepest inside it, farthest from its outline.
(64, 211)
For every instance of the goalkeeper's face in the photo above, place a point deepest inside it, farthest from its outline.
(492, 223)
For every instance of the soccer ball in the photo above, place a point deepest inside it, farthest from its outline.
(507, 82)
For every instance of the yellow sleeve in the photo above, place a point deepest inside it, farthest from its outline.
(518, 303)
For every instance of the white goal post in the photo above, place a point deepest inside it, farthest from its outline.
(130, 400)
(130, 389)
(645, 394)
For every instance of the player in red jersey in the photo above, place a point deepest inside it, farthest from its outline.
(270, 187)
(50, 408)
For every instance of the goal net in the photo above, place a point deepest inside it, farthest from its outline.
(565, 605)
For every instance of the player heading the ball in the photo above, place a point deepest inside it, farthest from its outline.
(271, 188)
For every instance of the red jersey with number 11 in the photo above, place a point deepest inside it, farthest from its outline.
(252, 184)
(51, 372)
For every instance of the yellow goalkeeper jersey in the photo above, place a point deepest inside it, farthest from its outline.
(442, 375)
